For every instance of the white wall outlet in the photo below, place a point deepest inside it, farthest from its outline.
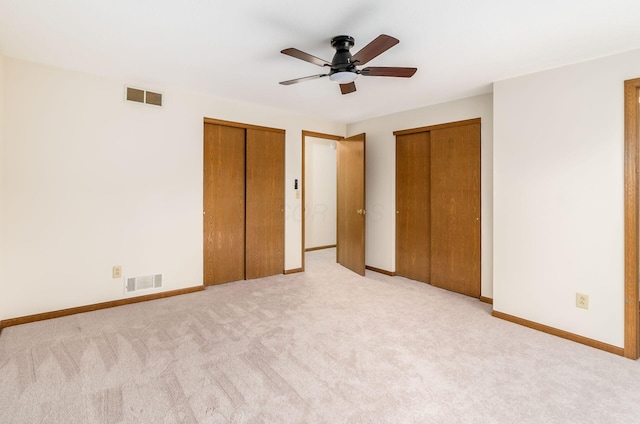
(116, 272)
(582, 301)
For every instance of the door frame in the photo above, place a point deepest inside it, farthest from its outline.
(306, 134)
(631, 217)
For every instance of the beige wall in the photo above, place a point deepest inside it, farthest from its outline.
(380, 152)
(92, 181)
(558, 191)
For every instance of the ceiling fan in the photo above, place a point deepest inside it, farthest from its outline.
(343, 67)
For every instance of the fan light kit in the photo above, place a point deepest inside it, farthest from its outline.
(343, 67)
(343, 77)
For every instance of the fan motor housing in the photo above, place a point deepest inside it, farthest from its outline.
(342, 59)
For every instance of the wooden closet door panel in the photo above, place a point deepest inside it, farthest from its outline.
(413, 220)
(224, 203)
(265, 203)
(455, 209)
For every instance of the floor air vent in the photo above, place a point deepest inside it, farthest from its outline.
(143, 282)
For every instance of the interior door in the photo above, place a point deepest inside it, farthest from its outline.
(265, 203)
(455, 209)
(413, 221)
(351, 203)
(224, 203)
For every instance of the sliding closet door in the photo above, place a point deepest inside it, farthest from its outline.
(455, 208)
(224, 203)
(413, 225)
(265, 203)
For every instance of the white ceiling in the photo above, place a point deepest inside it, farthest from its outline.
(232, 48)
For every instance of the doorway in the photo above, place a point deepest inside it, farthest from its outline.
(333, 197)
(311, 239)
(320, 193)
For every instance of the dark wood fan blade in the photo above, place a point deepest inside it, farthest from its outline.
(348, 88)
(378, 46)
(297, 80)
(298, 54)
(388, 71)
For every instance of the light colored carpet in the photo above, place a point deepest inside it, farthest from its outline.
(325, 346)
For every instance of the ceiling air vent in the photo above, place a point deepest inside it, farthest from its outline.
(143, 96)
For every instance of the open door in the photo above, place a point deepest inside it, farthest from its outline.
(351, 203)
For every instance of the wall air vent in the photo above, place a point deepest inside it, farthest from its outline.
(143, 96)
(153, 98)
(144, 282)
(135, 95)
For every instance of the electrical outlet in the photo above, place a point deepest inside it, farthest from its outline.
(116, 272)
(582, 301)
